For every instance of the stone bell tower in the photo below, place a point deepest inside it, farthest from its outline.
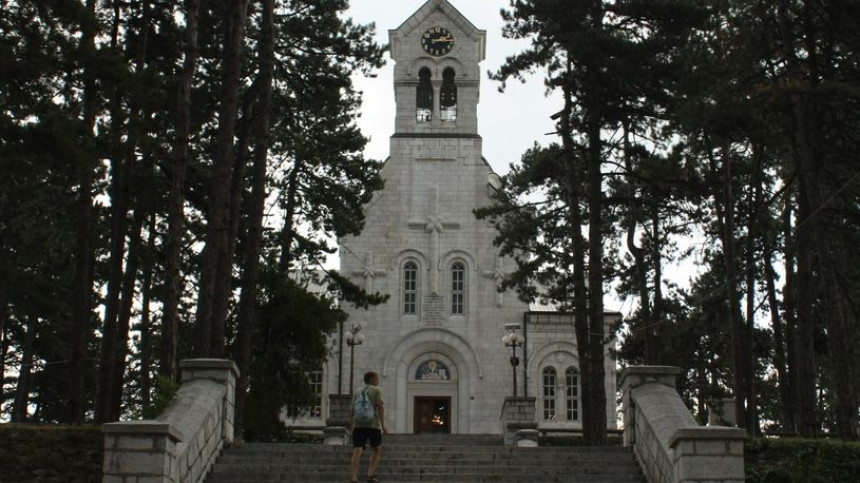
(437, 53)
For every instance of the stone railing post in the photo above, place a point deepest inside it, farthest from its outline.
(519, 425)
(707, 454)
(145, 450)
(633, 377)
(222, 371)
(182, 443)
(338, 423)
(667, 441)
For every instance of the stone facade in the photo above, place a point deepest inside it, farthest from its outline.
(422, 226)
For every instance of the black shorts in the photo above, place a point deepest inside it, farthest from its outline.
(361, 435)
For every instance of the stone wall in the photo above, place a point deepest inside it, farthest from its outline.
(670, 446)
(183, 442)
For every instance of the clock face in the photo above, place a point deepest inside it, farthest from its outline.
(437, 41)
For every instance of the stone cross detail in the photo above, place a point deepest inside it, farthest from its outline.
(368, 272)
(434, 224)
(498, 275)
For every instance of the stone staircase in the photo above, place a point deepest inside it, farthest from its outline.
(429, 458)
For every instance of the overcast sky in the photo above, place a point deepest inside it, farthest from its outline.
(509, 122)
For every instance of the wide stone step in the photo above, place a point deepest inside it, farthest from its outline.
(459, 474)
(280, 448)
(445, 466)
(412, 453)
(430, 458)
(444, 439)
(481, 477)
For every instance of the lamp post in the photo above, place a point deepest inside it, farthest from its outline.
(353, 338)
(513, 340)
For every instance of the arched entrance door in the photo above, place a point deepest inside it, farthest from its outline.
(432, 394)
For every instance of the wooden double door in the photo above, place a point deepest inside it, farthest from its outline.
(432, 414)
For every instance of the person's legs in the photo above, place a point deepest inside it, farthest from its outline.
(354, 462)
(374, 461)
(376, 444)
(359, 439)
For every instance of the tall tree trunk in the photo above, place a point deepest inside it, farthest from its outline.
(595, 430)
(657, 260)
(641, 276)
(176, 198)
(780, 351)
(701, 365)
(808, 119)
(145, 328)
(573, 182)
(121, 285)
(754, 220)
(4, 341)
(726, 213)
(804, 298)
(110, 332)
(256, 207)
(124, 322)
(212, 299)
(789, 297)
(287, 234)
(82, 317)
(22, 389)
(237, 192)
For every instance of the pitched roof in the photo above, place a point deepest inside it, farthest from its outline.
(449, 11)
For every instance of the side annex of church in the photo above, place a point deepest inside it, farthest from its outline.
(437, 342)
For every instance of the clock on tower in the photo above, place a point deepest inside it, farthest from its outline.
(437, 41)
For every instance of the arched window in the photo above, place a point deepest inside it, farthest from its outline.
(410, 288)
(424, 96)
(458, 288)
(549, 383)
(571, 394)
(308, 409)
(448, 96)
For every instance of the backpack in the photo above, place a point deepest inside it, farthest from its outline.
(362, 410)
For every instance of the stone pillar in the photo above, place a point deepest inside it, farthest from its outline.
(220, 370)
(708, 455)
(338, 422)
(518, 422)
(635, 376)
(146, 450)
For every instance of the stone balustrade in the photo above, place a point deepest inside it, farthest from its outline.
(670, 446)
(336, 431)
(518, 422)
(182, 443)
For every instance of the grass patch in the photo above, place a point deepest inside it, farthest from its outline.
(791, 460)
(50, 453)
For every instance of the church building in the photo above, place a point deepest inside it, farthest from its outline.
(438, 341)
